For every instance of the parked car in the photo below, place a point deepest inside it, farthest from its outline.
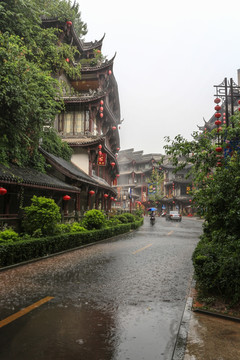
(174, 215)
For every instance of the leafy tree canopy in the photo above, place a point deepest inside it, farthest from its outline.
(30, 57)
(216, 194)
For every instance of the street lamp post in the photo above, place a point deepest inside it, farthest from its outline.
(229, 92)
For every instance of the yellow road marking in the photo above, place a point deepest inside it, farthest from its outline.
(24, 311)
(170, 233)
(145, 247)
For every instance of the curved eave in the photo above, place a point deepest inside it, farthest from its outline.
(104, 66)
(83, 99)
(81, 45)
(90, 45)
(92, 142)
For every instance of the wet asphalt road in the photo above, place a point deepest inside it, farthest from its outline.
(120, 299)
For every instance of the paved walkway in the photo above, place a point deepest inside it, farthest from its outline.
(212, 338)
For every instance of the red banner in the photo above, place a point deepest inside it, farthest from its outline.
(102, 160)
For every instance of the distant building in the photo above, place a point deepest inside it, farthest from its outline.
(134, 180)
(135, 170)
(176, 188)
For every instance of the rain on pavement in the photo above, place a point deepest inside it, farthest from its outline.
(119, 299)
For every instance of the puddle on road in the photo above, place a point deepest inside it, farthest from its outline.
(86, 332)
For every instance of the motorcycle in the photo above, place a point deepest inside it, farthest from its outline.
(152, 220)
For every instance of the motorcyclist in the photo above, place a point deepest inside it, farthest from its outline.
(152, 217)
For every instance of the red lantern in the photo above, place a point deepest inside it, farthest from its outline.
(99, 146)
(3, 191)
(118, 149)
(112, 198)
(218, 122)
(109, 72)
(101, 102)
(91, 192)
(106, 196)
(219, 149)
(100, 153)
(217, 101)
(69, 23)
(217, 108)
(66, 197)
(239, 102)
(101, 108)
(112, 164)
(101, 115)
(218, 115)
(113, 127)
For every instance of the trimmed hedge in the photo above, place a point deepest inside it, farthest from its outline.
(24, 250)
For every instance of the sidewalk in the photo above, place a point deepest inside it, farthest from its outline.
(212, 338)
(204, 335)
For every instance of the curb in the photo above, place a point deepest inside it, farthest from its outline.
(182, 335)
(216, 314)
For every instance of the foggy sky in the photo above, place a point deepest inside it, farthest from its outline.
(169, 56)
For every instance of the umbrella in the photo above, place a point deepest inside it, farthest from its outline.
(152, 209)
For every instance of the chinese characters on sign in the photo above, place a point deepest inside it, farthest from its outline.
(102, 159)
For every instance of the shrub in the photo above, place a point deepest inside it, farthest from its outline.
(113, 222)
(41, 216)
(93, 219)
(76, 227)
(217, 267)
(130, 217)
(122, 219)
(63, 228)
(8, 235)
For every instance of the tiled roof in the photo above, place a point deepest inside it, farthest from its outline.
(84, 140)
(72, 169)
(30, 176)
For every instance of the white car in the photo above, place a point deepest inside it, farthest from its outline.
(174, 215)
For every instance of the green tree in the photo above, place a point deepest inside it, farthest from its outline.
(30, 58)
(93, 219)
(41, 217)
(53, 144)
(216, 194)
(27, 101)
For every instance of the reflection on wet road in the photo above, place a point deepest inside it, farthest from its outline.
(120, 299)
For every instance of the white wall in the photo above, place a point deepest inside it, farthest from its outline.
(80, 159)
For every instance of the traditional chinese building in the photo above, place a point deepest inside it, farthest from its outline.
(90, 125)
(90, 121)
(133, 180)
(176, 188)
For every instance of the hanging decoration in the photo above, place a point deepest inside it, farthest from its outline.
(91, 192)
(106, 196)
(66, 197)
(218, 122)
(3, 191)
